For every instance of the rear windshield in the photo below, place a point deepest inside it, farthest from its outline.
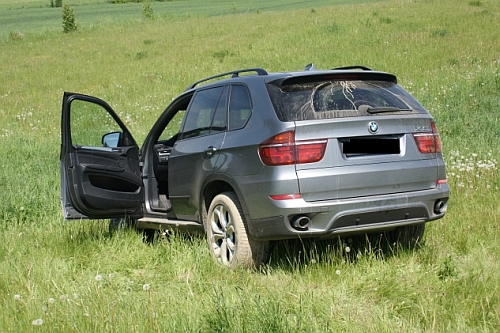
(339, 99)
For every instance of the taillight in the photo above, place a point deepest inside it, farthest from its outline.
(428, 143)
(282, 149)
(439, 146)
(279, 149)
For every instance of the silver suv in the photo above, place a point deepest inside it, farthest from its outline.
(251, 157)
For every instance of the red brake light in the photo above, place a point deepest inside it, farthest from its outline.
(282, 149)
(428, 143)
(310, 151)
(279, 149)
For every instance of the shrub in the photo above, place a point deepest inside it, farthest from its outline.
(125, 1)
(220, 55)
(439, 33)
(68, 18)
(55, 3)
(16, 35)
(332, 28)
(147, 10)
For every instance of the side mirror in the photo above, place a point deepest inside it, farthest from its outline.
(112, 140)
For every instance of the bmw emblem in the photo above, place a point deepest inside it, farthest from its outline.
(373, 127)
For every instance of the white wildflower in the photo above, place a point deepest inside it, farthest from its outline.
(146, 286)
(98, 277)
(37, 322)
(17, 297)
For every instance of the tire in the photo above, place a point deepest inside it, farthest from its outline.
(227, 237)
(409, 236)
(149, 235)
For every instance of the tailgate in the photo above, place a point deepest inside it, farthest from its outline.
(362, 162)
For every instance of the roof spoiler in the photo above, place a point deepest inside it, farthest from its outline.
(337, 75)
(363, 68)
(311, 67)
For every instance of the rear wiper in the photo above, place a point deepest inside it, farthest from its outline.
(380, 109)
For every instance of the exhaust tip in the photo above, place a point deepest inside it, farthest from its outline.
(439, 206)
(301, 222)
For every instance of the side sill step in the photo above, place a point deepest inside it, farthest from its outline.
(162, 204)
(163, 224)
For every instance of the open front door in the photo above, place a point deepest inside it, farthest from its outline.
(100, 174)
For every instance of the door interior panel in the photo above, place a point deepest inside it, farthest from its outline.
(107, 181)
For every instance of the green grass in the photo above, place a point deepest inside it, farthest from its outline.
(35, 16)
(444, 52)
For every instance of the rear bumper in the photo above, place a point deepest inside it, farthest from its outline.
(350, 216)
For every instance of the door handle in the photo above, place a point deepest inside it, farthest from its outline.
(210, 151)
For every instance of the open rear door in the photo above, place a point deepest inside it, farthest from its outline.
(100, 174)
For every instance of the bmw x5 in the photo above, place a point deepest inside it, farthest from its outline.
(251, 157)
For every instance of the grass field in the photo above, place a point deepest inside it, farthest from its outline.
(77, 277)
(35, 16)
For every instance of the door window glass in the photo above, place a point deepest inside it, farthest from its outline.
(219, 122)
(201, 112)
(89, 123)
(240, 107)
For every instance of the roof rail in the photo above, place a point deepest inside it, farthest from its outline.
(353, 67)
(233, 74)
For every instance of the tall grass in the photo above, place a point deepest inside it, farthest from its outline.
(76, 276)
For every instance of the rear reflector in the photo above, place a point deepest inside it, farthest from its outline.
(282, 149)
(442, 181)
(286, 196)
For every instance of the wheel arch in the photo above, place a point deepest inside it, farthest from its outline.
(217, 184)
